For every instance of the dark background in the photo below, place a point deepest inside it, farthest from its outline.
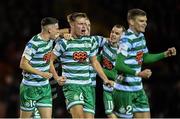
(20, 20)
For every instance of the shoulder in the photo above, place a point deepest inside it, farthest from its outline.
(33, 42)
(61, 41)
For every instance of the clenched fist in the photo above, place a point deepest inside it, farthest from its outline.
(145, 73)
(170, 52)
(109, 83)
(61, 80)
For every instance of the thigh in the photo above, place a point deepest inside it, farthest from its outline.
(88, 115)
(25, 114)
(141, 104)
(28, 97)
(108, 102)
(123, 106)
(142, 115)
(74, 95)
(77, 111)
(89, 106)
(45, 112)
(94, 96)
(46, 97)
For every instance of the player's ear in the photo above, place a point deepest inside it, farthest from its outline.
(49, 30)
(72, 24)
(131, 21)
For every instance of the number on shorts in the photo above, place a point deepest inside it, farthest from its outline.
(128, 108)
(32, 103)
(36, 112)
(81, 97)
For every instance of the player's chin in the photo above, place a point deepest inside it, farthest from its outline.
(54, 38)
(83, 33)
(142, 30)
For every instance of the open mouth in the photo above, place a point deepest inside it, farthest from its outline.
(112, 38)
(83, 31)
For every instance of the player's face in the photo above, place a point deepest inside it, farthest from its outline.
(88, 27)
(54, 31)
(115, 34)
(139, 23)
(79, 27)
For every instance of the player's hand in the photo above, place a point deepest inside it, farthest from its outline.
(46, 75)
(68, 36)
(109, 83)
(63, 31)
(170, 52)
(61, 80)
(145, 73)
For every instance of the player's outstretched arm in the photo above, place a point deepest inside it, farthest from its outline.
(121, 67)
(151, 58)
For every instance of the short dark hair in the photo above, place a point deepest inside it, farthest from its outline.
(132, 13)
(72, 17)
(120, 26)
(48, 20)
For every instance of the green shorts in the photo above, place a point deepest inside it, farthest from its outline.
(94, 95)
(126, 103)
(35, 96)
(108, 102)
(79, 95)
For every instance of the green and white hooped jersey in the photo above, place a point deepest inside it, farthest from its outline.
(38, 52)
(100, 43)
(75, 58)
(109, 54)
(133, 47)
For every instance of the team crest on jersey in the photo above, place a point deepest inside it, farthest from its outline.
(27, 104)
(80, 56)
(76, 97)
(47, 57)
(122, 110)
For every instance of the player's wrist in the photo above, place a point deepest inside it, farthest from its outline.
(56, 77)
(165, 54)
(40, 73)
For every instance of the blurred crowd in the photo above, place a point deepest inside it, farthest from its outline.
(20, 20)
